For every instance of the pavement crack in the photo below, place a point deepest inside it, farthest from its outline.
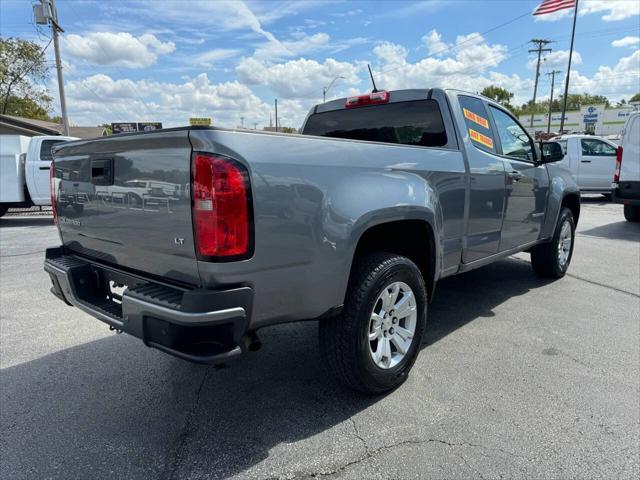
(38, 252)
(373, 453)
(593, 282)
(357, 434)
(172, 464)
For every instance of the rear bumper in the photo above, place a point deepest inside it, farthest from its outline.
(627, 193)
(203, 326)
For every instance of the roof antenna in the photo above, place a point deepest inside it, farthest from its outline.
(375, 89)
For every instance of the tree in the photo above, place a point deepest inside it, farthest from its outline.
(500, 95)
(22, 65)
(635, 98)
(107, 127)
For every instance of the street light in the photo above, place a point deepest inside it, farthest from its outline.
(326, 89)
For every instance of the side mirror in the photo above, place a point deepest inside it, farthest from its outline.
(551, 152)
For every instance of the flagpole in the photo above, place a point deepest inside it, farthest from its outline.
(566, 85)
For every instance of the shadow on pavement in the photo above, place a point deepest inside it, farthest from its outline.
(26, 221)
(615, 231)
(112, 408)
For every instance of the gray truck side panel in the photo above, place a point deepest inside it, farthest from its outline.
(310, 211)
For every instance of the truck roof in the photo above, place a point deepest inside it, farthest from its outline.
(405, 95)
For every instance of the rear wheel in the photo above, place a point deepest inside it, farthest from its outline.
(632, 213)
(373, 344)
(552, 259)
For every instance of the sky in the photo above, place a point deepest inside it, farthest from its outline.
(166, 60)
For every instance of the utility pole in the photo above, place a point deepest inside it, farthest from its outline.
(566, 83)
(46, 13)
(553, 79)
(242, 122)
(276, 114)
(539, 50)
(255, 125)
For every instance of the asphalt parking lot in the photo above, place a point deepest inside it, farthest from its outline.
(518, 378)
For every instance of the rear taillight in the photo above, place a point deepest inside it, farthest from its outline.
(221, 207)
(368, 99)
(52, 183)
(616, 175)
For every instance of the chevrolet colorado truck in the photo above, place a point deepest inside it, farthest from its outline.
(352, 223)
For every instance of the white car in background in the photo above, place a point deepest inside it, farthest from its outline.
(626, 179)
(24, 170)
(591, 160)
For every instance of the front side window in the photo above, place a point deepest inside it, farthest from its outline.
(515, 141)
(416, 123)
(596, 148)
(45, 149)
(477, 122)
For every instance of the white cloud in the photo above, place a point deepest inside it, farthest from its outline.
(210, 57)
(434, 43)
(221, 15)
(627, 41)
(299, 78)
(101, 99)
(556, 59)
(123, 49)
(613, 9)
(303, 44)
(466, 67)
(613, 82)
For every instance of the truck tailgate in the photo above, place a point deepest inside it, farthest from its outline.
(125, 201)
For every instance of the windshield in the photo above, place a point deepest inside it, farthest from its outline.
(408, 123)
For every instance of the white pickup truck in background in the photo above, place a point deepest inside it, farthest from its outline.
(591, 160)
(24, 170)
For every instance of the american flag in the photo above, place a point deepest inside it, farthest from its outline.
(550, 6)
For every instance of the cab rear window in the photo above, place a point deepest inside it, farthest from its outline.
(417, 123)
(45, 149)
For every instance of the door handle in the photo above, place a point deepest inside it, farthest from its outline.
(102, 171)
(515, 175)
(585, 161)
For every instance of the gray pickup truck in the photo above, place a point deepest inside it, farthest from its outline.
(352, 223)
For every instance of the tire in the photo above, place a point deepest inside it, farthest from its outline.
(345, 345)
(546, 259)
(3, 210)
(632, 213)
(607, 196)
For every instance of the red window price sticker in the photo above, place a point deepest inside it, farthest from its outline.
(475, 118)
(482, 139)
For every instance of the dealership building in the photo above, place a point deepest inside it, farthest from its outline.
(594, 119)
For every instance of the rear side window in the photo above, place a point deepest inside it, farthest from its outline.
(416, 123)
(477, 121)
(45, 149)
(596, 148)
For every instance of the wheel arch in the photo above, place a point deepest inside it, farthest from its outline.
(413, 238)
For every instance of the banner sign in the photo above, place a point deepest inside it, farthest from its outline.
(149, 126)
(124, 127)
(203, 121)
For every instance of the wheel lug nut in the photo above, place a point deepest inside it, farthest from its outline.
(391, 330)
